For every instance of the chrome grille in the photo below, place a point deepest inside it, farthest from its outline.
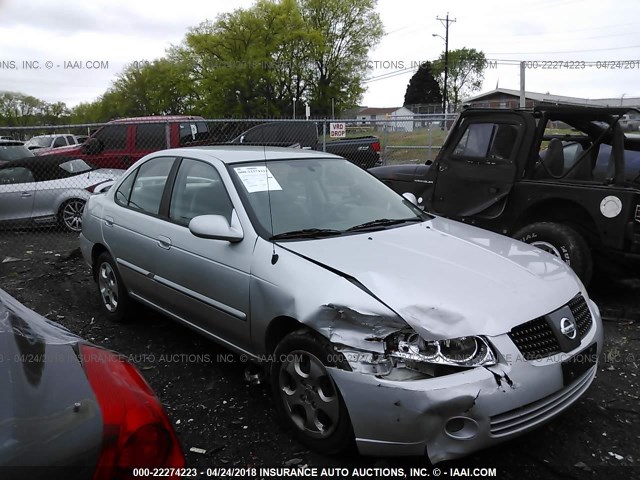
(535, 339)
(581, 313)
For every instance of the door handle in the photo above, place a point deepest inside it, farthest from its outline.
(26, 194)
(108, 221)
(164, 242)
(493, 190)
(442, 167)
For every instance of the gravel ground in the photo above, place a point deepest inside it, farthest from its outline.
(214, 408)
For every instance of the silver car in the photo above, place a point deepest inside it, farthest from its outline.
(41, 190)
(380, 324)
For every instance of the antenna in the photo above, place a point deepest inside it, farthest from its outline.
(274, 255)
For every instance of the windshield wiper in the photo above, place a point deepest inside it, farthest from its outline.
(307, 233)
(383, 222)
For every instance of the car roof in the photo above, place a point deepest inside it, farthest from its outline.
(41, 162)
(244, 153)
(158, 118)
(11, 143)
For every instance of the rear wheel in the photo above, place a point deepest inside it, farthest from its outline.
(305, 394)
(563, 242)
(70, 214)
(113, 296)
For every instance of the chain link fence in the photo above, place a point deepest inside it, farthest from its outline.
(47, 173)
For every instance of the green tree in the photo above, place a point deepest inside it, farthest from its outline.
(466, 73)
(349, 29)
(19, 109)
(423, 87)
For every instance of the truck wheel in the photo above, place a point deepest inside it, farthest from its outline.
(561, 241)
(306, 396)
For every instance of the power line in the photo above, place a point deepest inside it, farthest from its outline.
(565, 51)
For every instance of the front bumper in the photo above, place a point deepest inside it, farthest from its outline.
(452, 416)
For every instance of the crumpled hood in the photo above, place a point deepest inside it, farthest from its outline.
(447, 279)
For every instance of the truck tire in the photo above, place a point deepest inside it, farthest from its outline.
(563, 242)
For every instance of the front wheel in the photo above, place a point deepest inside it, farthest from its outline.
(561, 241)
(113, 295)
(70, 214)
(306, 396)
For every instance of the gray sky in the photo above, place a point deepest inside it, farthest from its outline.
(122, 31)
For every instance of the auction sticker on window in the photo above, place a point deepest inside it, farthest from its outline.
(257, 179)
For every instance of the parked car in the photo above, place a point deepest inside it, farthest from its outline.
(630, 121)
(13, 150)
(578, 197)
(66, 402)
(363, 151)
(6, 137)
(120, 143)
(50, 141)
(408, 333)
(39, 190)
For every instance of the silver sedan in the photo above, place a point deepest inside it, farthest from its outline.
(379, 324)
(43, 191)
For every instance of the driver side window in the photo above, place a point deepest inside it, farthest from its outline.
(491, 141)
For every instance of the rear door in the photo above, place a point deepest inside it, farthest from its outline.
(479, 161)
(17, 189)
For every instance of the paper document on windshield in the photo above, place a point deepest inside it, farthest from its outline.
(257, 179)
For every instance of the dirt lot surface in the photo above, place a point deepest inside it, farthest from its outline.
(214, 408)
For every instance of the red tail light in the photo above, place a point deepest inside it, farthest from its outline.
(136, 430)
(376, 146)
(92, 188)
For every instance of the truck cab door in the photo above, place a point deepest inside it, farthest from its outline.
(479, 162)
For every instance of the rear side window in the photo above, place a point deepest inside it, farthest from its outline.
(145, 192)
(59, 142)
(70, 140)
(113, 137)
(13, 175)
(150, 136)
(487, 140)
(192, 131)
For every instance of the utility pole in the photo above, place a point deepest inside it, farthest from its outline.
(445, 22)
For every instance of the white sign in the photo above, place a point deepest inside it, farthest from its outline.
(194, 130)
(337, 130)
(257, 179)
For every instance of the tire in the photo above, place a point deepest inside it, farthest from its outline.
(306, 396)
(70, 214)
(563, 242)
(114, 299)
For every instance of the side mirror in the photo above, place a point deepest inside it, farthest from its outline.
(92, 146)
(411, 197)
(215, 227)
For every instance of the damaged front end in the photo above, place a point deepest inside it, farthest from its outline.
(443, 398)
(388, 347)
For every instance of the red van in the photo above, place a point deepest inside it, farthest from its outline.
(120, 143)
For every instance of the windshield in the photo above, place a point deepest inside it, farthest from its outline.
(14, 152)
(39, 142)
(318, 196)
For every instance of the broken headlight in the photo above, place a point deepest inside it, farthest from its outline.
(469, 351)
